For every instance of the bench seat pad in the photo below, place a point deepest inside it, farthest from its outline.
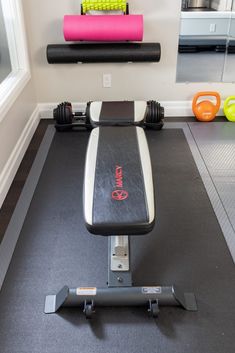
(117, 113)
(118, 194)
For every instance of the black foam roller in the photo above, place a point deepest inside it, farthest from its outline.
(103, 53)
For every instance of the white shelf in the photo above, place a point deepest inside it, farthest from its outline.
(205, 14)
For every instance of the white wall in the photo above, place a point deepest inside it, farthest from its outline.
(13, 124)
(16, 130)
(55, 83)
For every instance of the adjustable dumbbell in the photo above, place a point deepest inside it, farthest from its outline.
(150, 115)
(66, 119)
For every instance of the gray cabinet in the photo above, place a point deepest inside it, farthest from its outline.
(205, 24)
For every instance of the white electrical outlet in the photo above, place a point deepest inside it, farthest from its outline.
(213, 27)
(107, 80)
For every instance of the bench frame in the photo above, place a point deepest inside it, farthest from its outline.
(120, 291)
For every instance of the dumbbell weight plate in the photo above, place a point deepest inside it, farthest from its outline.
(63, 114)
(154, 119)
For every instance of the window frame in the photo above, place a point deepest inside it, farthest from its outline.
(14, 83)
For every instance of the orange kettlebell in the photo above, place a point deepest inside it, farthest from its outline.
(206, 110)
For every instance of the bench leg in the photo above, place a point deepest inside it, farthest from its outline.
(119, 273)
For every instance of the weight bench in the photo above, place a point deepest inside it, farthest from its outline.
(118, 203)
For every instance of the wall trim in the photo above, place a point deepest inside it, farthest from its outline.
(46, 109)
(9, 171)
(182, 108)
(177, 108)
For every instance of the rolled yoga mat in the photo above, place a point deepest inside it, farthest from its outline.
(103, 28)
(104, 5)
(103, 53)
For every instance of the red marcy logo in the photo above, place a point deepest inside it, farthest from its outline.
(119, 177)
(119, 194)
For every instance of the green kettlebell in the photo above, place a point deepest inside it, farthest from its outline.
(229, 108)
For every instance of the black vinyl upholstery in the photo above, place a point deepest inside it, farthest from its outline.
(114, 113)
(119, 200)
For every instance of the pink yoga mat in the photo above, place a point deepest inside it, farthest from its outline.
(103, 28)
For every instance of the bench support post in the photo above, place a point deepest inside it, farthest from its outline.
(119, 274)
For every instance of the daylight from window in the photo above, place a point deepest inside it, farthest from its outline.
(5, 62)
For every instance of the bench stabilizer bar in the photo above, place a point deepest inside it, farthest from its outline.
(151, 297)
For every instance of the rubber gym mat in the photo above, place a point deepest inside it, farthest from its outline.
(186, 247)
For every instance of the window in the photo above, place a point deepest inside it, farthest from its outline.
(5, 61)
(14, 65)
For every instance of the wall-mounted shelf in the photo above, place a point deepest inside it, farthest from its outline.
(205, 14)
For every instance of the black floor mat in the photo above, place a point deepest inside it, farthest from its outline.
(186, 248)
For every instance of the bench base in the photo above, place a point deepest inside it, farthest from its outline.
(120, 291)
(89, 298)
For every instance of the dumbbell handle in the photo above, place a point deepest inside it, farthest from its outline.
(79, 114)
